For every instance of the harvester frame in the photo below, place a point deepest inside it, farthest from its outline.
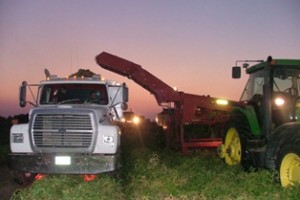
(182, 112)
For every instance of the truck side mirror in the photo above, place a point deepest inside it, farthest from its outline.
(22, 95)
(125, 93)
(236, 72)
(124, 105)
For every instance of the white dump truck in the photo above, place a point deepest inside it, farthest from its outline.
(71, 127)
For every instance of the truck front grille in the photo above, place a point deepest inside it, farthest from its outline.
(62, 131)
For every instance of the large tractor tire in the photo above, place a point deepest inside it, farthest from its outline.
(288, 164)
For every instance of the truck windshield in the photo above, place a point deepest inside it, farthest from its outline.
(74, 94)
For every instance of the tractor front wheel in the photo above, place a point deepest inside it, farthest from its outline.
(288, 164)
(231, 149)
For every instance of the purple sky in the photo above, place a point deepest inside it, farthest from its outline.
(188, 44)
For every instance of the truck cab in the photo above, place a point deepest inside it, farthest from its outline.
(71, 127)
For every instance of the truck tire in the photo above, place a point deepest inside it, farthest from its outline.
(288, 163)
(23, 178)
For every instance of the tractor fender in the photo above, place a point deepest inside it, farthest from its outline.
(250, 115)
(282, 135)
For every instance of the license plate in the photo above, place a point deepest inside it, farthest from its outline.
(62, 160)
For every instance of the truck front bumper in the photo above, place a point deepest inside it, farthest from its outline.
(75, 163)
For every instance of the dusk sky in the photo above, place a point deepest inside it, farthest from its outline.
(190, 44)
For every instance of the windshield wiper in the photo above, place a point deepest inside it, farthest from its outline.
(68, 101)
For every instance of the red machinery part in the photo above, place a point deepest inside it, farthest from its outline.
(162, 91)
(184, 112)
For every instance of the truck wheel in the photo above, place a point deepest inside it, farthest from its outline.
(288, 164)
(24, 178)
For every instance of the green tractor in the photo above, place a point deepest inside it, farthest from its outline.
(264, 130)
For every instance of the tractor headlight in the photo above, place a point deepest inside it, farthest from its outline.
(17, 138)
(279, 101)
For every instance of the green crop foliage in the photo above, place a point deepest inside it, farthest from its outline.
(149, 172)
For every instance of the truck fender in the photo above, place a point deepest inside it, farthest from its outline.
(286, 133)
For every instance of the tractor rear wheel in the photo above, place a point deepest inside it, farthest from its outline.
(288, 164)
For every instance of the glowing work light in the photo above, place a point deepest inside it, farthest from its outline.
(222, 102)
(136, 120)
(279, 101)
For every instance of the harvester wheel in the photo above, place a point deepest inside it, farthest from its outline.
(288, 164)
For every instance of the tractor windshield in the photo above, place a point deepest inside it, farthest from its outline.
(254, 86)
(74, 94)
(285, 97)
(285, 100)
(285, 80)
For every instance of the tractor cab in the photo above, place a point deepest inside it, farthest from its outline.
(274, 87)
(264, 131)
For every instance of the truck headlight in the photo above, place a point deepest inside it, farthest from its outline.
(136, 120)
(108, 139)
(17, 138)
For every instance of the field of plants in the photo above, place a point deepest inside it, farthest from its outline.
(150, 171)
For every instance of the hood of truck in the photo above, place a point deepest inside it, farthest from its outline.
(102, 113)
